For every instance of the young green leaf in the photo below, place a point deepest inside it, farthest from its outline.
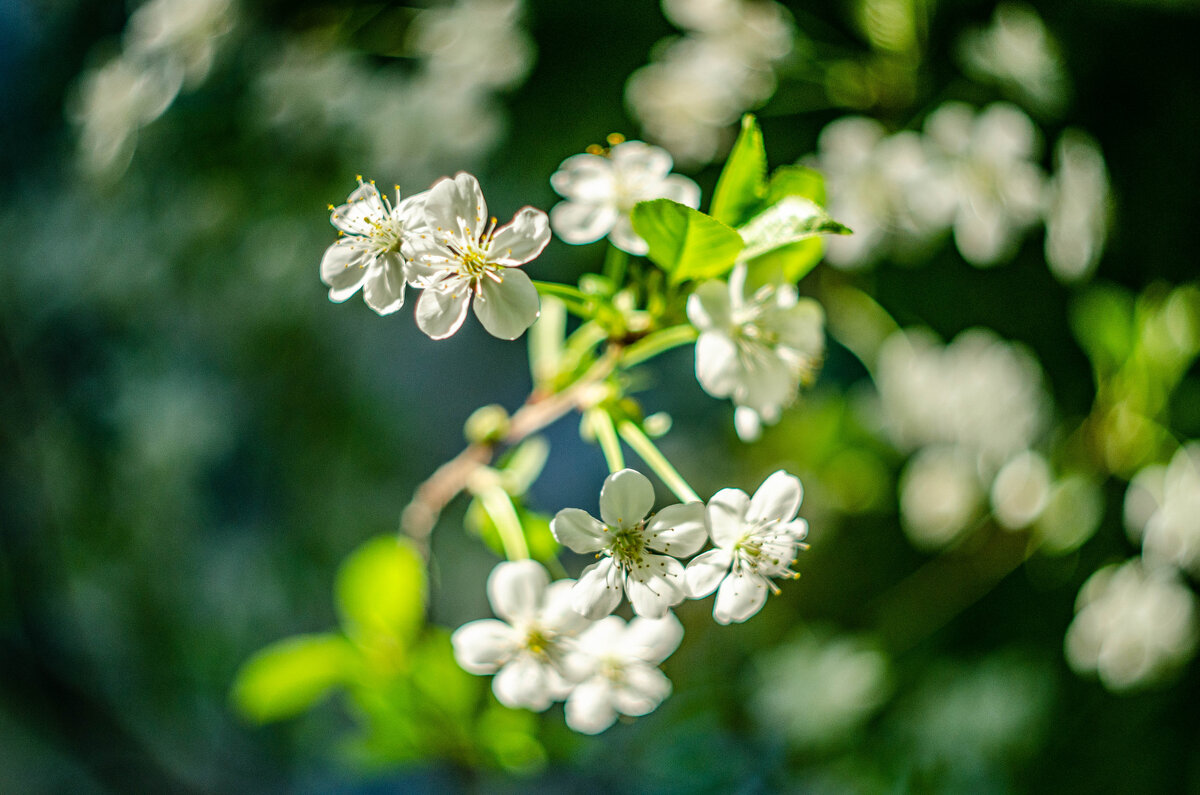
(743, 181)
(792, 219)
(685, 243)
(288, 677)
(796, 181)
(381, 594)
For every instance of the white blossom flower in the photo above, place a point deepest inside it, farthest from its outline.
(476, 44)
(185, 32)
(756, 349)
(624, 540)
(531, 651)
(1021, 490)
(940, 495)
(1133, 625)
(461, 253)
(623, 676)
(369, 253)
(756, 538)
(601, 190)
(1162, 510)
(987, 159)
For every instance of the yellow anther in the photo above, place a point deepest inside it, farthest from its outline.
(594, 149)
(358, 177)
(615, 138)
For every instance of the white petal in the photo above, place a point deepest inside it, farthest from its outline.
(578, 530)
(383, 289)
(642, 690)
(623, 237)
(639, 160)
(747, 423)
(585, 178)
(508, 307)
(598, 591)
(655, 586)
(457, 206)
(523, 683)
(677, 187)
(589, 709)
(625, 499)
(515, 589)
(777, 499)
(578, 223)
(520, 240)
(767, 384)
(557, 614)
(481, 647)
(717, 366)
(739, 597)
(726, 516)
(440, 314)
(677, 530)
(652, 639)
(705, 572)
(709, 308)
(343, 268)
(602, 637)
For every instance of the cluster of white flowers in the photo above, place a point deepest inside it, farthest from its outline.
(408, 121)
(443, 242)
(559, 641)
(974, 174)
(1162, 511)
(602, 187)
(1018, 53)
(1134, 624)
(701, 83)
(972, 412)
(168, 44)
(755, 349)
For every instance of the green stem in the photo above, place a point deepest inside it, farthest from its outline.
(578, 302)
(606, 435)
(658, 342)
(636, 438)
(499, 506)
(615, 262)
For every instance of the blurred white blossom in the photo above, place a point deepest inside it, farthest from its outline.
(1133, 625)
(183, 32)
(755, 349)
(756, 541)
(475, 43)
(700, 84)
(979, 392)
(818, 689)
(626, 543)
(1078, 207)
(940, 496)
(622, 677)
(881, 186)
(530, 651)
(1162, 510)
(601, 190)
(1017, 52)
(988, 160)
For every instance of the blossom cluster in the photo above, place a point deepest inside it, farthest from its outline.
(972, 174)
(443, 242)
(559, 642)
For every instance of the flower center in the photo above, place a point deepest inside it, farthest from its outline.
(539, 643)
(627, 546)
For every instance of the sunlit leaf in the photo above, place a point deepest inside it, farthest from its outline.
(792, 219)
(686, 243)
(743, 181)
(288, 677)
(381, 594)
(796, 181)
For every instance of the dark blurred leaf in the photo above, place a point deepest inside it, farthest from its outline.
(288, 677)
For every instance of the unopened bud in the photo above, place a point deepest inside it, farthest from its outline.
(486, 425)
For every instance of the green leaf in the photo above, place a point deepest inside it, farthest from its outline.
(438, 677)
(288, 677)
(685, 243)
(1103, 322)
(743, 181)
(796, 181)
(792, 219)
(786, 264)
(381, 594)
